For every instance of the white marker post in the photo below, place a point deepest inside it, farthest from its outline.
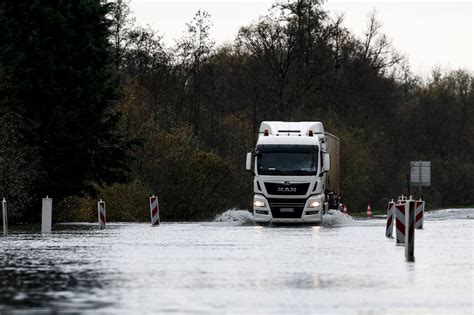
(154, 211)
(5, 218)
(46, 215)
(101, 213)
(410, 231)
(390, 216)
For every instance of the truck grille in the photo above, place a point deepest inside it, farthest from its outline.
(288, 189)
(287, 208)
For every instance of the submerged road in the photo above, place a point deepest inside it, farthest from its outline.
(345, 266)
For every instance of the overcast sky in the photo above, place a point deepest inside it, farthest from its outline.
(429, 33)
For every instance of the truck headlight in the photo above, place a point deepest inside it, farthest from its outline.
(314, 204)
(259, 204)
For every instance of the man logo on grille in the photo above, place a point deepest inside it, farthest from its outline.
(287, 189)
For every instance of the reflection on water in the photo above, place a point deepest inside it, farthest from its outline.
(227, 266)
(46, 271)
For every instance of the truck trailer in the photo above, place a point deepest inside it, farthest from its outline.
(296, 172)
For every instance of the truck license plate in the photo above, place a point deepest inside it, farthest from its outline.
(287, 209)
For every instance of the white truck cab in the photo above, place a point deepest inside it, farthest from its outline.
(291, 164)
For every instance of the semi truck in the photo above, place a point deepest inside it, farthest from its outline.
(296, 172)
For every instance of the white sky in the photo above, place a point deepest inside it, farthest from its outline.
(429, 33)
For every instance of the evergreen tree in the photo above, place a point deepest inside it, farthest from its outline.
(57, 73)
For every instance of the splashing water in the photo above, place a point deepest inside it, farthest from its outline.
(337, 218)
(235, 216)
(244, 217)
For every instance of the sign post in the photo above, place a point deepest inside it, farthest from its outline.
(410, 230)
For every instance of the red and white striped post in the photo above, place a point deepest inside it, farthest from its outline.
(154, 211)
(419, 213)
(410, 231)
(400, 223)
(390, 216)
(369, 211)
(5, 218)
(101, 214)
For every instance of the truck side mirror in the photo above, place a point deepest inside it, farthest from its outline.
(248, 163)
(326, 162)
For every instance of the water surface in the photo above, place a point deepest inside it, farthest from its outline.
(345, 266)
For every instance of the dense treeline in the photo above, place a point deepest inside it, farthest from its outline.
(58, 87)
(94, 105)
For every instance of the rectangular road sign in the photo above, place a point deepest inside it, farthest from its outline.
(420, 173)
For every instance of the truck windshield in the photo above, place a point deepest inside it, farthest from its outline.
(287, 159)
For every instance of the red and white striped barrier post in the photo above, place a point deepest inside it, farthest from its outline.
(410, 231)
(419, 213)
(46, 215)
(5, 218)
(400, 223)
(101, 214)
(369, 211)
(390, 216)
(154, 211)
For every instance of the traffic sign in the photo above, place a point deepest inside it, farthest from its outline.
(420, 173)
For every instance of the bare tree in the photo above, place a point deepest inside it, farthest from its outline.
(193, 51)
(377, 48)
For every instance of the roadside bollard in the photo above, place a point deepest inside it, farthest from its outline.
(46, 215)
(369, 211)
(410, 231)
(5, 218)
(101, 213)
(419, 213)
(390, 215)
(400, 224)
(154, 211)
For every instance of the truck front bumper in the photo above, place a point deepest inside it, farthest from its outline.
(286, 211)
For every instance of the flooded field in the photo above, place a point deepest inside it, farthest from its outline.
(345, 266)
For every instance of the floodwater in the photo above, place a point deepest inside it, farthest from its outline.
(345, 266)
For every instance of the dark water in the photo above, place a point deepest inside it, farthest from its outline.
(231, 266)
